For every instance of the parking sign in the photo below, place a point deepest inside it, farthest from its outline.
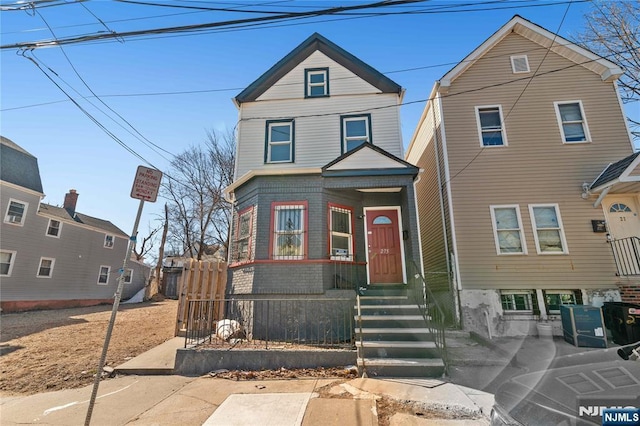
(146, 184)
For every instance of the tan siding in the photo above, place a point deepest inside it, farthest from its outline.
(536, 167)
(434, 250)
(317, 128)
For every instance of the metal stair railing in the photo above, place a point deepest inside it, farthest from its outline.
(431, 311)
(626, 253)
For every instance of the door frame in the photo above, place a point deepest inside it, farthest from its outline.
(619, 198)
(400, 239)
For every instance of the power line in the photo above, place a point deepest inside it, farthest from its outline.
(237, 89)
(144, 139)
(196, 27)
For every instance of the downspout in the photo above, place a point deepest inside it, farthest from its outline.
(486, 315)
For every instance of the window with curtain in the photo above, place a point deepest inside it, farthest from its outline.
(507, 228)
(289, 231)
(547, 227)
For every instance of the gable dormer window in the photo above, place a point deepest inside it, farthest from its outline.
(356, 130)
(316, 82)
(279, 141)
(520, 64)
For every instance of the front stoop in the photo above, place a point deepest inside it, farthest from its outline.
(394, 340)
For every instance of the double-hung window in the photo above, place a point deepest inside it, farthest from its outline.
(16, 212)
(507, 230)
(491, 125)
(547, 229)
(356, 130)
(572, 122)
(316, 82)
(53, 229)
(127, 277)
(45, 269)
(341, 232)
(108, 241)
(243, 235)
(279, 141)
(289, 230)
(520, 301)
(103, 275)
(7, 259)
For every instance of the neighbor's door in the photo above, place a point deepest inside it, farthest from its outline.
(384, 247)
(622, 214)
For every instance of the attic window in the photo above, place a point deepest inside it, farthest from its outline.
(520, 64)
(316, 82)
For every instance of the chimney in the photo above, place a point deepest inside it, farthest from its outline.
(70, 200)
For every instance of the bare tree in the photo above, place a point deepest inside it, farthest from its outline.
(612, 30)
(143, 249)
(198, 213)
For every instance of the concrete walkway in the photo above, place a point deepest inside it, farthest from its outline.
(150, 395)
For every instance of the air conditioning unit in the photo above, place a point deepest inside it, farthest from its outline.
(15, 219)
(108, 244)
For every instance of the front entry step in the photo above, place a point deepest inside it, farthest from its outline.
(401, 367)
(393, 339)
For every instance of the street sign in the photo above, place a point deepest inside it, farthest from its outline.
(146, 184)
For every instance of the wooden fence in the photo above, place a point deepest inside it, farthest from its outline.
(201, 280)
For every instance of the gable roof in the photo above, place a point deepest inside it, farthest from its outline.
(19, 167)
(316, 42)
(617, 171)
(83, 219)
(368, 160)
(607, 70)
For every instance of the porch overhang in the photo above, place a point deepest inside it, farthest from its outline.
(369, 172)
(621, 177)
(229, 190)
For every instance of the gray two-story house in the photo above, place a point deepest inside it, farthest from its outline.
(53, 257)
(323, 203)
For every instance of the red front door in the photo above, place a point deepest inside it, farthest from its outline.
(384, 247)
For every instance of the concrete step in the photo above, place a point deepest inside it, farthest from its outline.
(409, 334)
(401, 367)
(389, 321)
(383, 300)
(398, 349)
(388, 309)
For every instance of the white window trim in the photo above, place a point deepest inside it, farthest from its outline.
(346, 139)
(349, 236)
(513, 65)
(270, 143)
(585, 126)
(515, 311)
(113, 241)
(11, 263)
(53, 263)
(108, 274)
(503, 128)
(49, 226)
(495, 229)
(324, 84)
(124, 276)
(565, 249)
(24, 213)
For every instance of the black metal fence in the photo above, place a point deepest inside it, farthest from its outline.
(271, 323)
(432, 311)
(348, 273)
(626, 253)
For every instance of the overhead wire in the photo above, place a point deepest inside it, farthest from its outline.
(140, 136)
(238, 89)
(529, 80)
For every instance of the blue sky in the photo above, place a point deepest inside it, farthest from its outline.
(73, 152)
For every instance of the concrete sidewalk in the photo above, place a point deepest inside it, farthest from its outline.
(162, 399)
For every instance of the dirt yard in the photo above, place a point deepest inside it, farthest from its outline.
(50, 350)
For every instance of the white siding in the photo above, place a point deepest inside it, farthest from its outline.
(317, 128)
(341, 80)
